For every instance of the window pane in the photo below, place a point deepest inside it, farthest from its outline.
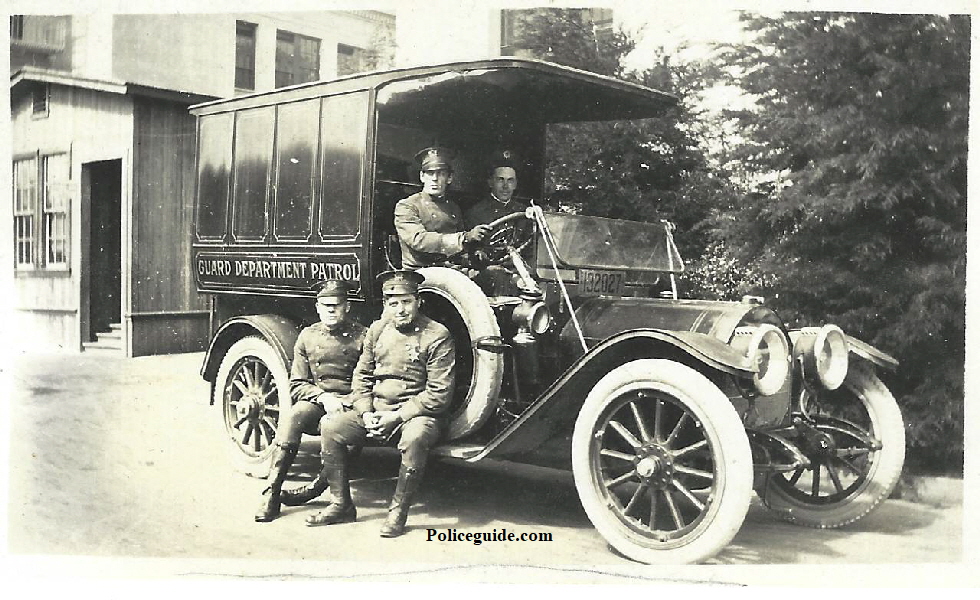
(297, 137)
(245, 56)
(253, 158)
(308, 60)
(215, 166)
(284, 59)
(25, 186)
(55, 171)
(342, 134)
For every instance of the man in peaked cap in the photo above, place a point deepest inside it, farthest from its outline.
(324, 358)
(502, 181)
(402, 384)
(500, 202)
(430, 225)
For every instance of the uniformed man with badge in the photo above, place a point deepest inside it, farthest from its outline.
(429, 224)
(502, 181)
(324, 358)
(402, 385)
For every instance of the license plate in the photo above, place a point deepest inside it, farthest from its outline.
(601, 283)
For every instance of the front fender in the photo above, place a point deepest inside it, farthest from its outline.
(280, 332)
(555, 410)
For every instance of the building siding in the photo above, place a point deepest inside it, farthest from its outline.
(90, 125)
(167, 313)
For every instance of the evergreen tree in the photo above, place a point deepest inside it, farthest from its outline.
(863, 120)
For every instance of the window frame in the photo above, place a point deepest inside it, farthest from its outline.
(293, 66)
(275, 210)
(52, 215)
(354, 61)
(239, 201)
(41, 91)
(245, 27)
(41, 215)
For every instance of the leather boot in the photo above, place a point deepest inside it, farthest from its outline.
(408, 483)
(282, 459)
(341, 509)
(313, 489)
(302, 495)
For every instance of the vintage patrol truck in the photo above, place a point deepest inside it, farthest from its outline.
(669, 411)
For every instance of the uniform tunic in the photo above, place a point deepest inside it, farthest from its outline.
(324, 360)
(490, 209)
(429, 229)
(410, 371)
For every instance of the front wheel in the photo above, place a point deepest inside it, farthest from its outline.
(662, 463)
(856, 456)
(252, 388)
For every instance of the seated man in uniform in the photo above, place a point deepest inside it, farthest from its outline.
(429, 224)
(500, 202)
(324, 358)
(402, 384)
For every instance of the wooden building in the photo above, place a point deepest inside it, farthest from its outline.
(103, 159)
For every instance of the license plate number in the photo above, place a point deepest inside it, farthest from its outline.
(601, 283)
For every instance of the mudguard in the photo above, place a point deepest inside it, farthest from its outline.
(280, 332)
(555, 410)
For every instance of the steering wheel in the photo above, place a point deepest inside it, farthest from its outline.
(505, 232)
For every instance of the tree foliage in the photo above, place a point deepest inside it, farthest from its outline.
(863, 118)
(643, 170)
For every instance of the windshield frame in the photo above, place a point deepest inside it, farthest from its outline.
(568, 228)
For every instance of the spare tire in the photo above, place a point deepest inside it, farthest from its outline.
(455, 301)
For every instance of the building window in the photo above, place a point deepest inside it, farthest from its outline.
(47, 203)
(245, 56)
(297, 58)
(25, 207)
(40, 97)
(17, 27)
(55, 169)
(350, 59)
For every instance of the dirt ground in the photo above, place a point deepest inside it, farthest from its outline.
(122, 459)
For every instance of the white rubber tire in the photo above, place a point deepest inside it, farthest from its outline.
(882, 474)
(252, 349)
(731, 487)
(471, 304)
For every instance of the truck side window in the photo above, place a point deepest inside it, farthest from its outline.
(214, 172)
(297, 140)
(343, 130)
(253, 161)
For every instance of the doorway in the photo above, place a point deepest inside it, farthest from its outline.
(102, 185)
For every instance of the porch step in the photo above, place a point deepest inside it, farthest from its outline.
(102, 347)
(106, 341)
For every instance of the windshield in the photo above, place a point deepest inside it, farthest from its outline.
(601, 243)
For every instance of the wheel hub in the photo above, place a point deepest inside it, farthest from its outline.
(654, 466)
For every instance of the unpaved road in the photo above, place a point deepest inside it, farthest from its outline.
(124, 458)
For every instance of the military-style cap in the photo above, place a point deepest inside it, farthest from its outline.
(435, 158)
(402, 281)
(503, 158)
(333, 289)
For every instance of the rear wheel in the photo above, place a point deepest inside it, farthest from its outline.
(662, 463)
(252, 388)
(856, 453)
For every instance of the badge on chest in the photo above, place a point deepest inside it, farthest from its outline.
(412, 351)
